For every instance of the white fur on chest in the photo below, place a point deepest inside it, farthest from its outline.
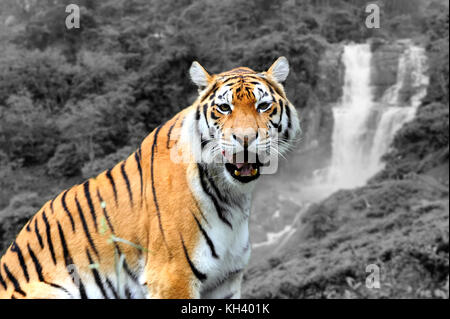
(233, 253)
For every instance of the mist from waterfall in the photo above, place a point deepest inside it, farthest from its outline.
(364, 128)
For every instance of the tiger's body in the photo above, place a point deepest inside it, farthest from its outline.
(154, 227)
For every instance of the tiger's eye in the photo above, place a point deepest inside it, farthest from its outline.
(224, 108)
(264, 106)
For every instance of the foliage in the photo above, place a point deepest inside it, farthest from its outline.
(65, 162)
(421, 144)
(95, 167)
(26, 133)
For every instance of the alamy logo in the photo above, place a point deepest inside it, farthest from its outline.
(73, 19)
(373, 19)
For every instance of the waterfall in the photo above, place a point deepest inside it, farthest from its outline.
(363, 128)
(351, 132)
(412, 66)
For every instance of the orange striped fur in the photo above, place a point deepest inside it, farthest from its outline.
(151, 210)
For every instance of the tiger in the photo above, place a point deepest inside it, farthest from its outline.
(172, 220)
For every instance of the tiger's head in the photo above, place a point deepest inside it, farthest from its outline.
(244, 119)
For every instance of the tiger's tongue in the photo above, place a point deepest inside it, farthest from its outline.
(244, 168)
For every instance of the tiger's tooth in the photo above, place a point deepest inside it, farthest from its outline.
(254, 171)
(237, 173)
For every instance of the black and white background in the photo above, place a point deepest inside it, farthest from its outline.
(360, 209)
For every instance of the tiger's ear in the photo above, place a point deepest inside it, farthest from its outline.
(279, 69)
(199, 75)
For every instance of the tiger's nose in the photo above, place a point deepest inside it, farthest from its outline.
(245, 139)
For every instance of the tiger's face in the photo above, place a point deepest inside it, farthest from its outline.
(244, 119)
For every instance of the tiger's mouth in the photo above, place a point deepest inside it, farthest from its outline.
(244, 171)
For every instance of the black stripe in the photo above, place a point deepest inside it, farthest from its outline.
(85, 227)
(213, 90)
(169, 132)
(140, 152)
(58, 287)
(14, 281)
(49, 237)
(281, 112)
(198, 208)
(213, 198)
(64, 205)
(274, 112)
(155, 140)
(67, 258)
(208, 240)
(213, 115)
(127, 292)
(28, 226)
(2, 281)
(51, 207)
(105, 212)
(69, 261)
(38, 235)
(205, 110)
(249, 92)
(97, 278)
(87, 194)
(15, 248)
(37, 264)
(200, 276)
(113, 184)
(111, 287)
(288, 114)
(138, 163)
(127, 181)
(216, 189)
(273, 124)
(197, 113)
(131, 274)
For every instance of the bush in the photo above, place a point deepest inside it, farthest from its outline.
(67, 161)
(46, 76)
(419, 145)
(15, 216)
(95, 167)
(27, 132)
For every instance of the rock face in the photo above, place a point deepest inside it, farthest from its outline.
(317, 117)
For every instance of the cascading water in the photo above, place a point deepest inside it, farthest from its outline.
(412, 66)
(364, 128)
(351, 135)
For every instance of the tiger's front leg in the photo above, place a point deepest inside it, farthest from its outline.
(171, 282)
